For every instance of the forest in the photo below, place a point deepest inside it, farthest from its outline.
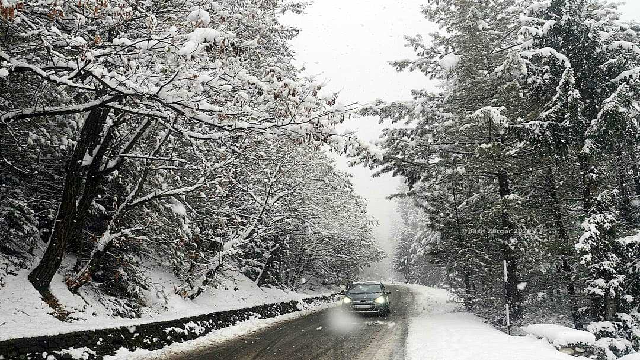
(179, 136)
(171, 135)
(522, 180)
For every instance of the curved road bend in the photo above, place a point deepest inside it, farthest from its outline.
(325, 335)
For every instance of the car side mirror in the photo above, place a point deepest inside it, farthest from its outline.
(387, 292)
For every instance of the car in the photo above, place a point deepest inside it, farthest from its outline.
(367, 297)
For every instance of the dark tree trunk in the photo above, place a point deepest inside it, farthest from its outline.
(84, 276)
(585, 173)
(65, 225)
(513, 294)
(624, 204)
(273, 255)
(610, 306)
(468, 288)
(207, 280)
(94, 179)
(565, 244)
(634, 168)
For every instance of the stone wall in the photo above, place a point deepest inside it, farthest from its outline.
(150, 336)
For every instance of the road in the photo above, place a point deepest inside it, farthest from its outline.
(329, 334)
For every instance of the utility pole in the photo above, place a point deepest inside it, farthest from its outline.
(506, 297)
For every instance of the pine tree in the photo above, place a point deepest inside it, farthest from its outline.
(534, 131)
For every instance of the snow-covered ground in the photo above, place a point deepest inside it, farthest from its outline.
(24, 314)
(439, 331)
(438, 328)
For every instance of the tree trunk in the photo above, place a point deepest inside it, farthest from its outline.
(566, 245)
(513, 294)
(94, 179)
(610, 307)
(583, 159)
(273, 254)
(624, 204)
(65, 225)
(85, 275)
(634, 168)
(468, 301)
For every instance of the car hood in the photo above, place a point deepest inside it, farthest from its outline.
(364, 296)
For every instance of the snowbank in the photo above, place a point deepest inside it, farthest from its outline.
(24, 314)
(635, 356)
(437, 332)
(460, 336)
(560, 336)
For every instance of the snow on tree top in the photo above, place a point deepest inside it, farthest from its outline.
(200, 16)
(449, 61)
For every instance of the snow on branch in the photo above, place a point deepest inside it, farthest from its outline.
(153, 158)
(494, 115)
(108, 237)
(628, 74)
(625, 45)
(21, 65)
(57, 110)
(166, 193)
(548, 52)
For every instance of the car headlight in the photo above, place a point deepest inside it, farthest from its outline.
(346, 300)
(381, 300)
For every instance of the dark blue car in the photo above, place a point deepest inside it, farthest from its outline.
(367, 297)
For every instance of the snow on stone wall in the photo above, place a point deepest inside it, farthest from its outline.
(152, 336)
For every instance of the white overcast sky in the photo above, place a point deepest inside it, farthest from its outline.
(348, 44)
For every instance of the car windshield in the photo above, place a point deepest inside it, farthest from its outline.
(365, 288)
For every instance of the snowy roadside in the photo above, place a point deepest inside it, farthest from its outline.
(24, 314)
(438, 331)
(215, 337)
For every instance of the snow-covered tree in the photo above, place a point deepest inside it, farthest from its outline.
(534, 131)
(134, 94)
(416, 255)
(581, 63)
(456, 152)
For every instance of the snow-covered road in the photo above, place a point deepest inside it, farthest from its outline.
(424, 325)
